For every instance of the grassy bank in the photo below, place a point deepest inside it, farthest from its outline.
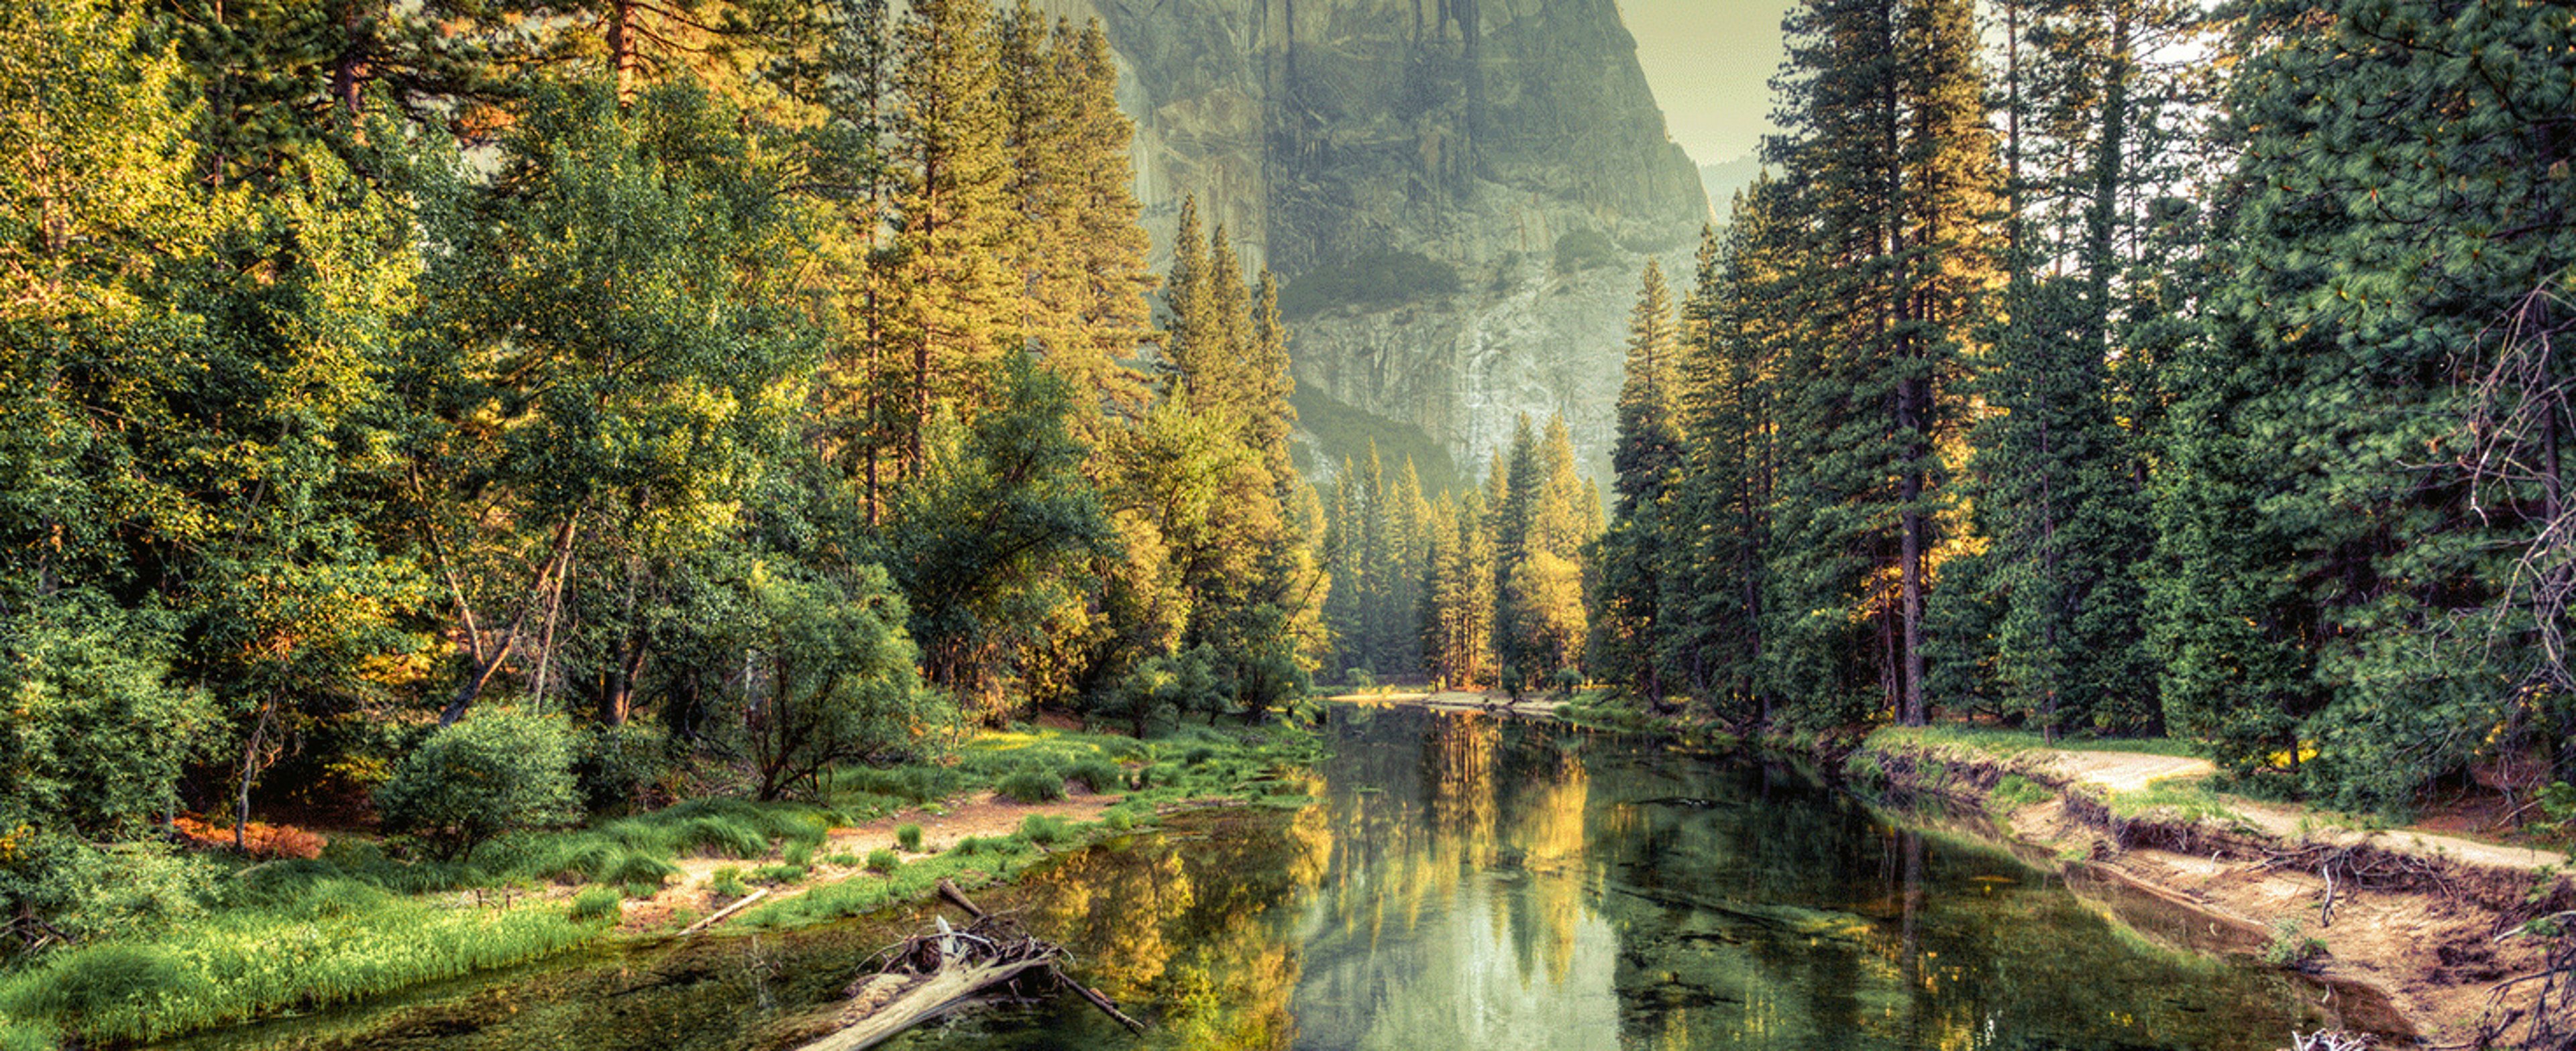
(359, 922)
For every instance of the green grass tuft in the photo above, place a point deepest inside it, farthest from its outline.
(727, 882)
(598, 903)
(908, 837)
(883, 861)
(1098, 775)
(1045, 830)
(1031, 786)
(242, 963)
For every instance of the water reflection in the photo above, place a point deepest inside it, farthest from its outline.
(1466, 882)
(1470, 882)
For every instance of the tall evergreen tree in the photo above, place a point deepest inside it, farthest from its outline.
(1890, 153)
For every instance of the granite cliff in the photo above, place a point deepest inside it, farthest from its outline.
(1458, 194)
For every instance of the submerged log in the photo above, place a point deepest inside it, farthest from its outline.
(930, 974)
(727, 911)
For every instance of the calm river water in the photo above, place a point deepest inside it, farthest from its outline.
(1468, 883)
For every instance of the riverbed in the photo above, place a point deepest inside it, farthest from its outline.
(1462, 881)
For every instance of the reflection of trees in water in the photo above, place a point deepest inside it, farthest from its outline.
(1184, 925)
(1546, 830)
(1755, 910)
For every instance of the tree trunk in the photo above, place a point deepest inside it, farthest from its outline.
(250, 773)
(482, 673)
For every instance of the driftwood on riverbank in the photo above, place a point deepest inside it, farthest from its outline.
(931, 974)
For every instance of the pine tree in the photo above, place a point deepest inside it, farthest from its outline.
(1630, 565)
(951, 303)
(1890, 153)
(2378, 254)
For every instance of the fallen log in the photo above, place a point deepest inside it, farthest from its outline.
(930, 974)
(922, 1000)
(727, 911)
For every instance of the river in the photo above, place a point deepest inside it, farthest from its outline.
(1464, 882)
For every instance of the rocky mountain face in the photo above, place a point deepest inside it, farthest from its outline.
(1458, 194)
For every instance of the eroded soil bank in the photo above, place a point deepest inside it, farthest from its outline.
(2425, 921)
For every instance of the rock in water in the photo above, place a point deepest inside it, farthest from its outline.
(1459, 195)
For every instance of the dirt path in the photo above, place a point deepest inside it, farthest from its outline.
(984, 814)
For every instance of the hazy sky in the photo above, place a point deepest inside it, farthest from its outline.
(1710, 62)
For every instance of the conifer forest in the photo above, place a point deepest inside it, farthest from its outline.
(480, 478)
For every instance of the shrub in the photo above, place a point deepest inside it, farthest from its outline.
(496, 772)
(598, 903)
(1032, 786)
(883, 861)
(622, 766)
(260, 839)
(1098, 775)
(909, 837)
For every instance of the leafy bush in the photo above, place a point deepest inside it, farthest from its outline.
(495, 772)
(1585, 249)
(909, 836)
(1031, 786)
(622, 766)
(1376, 280)
(845, 677)
(882, 861)
(598, 903)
